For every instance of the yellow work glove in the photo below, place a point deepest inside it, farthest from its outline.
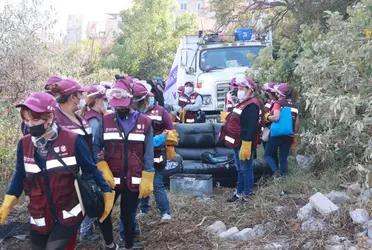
(106, 173)
(266, 115)
(182, 116)
(171, 152)
(8, 204)
(147, 184)
(245, 150)
(108, 198)
(172, 138)
(223, 116)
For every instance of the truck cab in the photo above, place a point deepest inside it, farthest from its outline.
(211, 63)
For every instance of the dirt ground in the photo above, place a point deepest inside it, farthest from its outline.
(275, 201)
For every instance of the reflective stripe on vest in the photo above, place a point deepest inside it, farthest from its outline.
(111, 136)
(75, 211)
(155, 117)
(117, 181)
(294, 110)
(159, 159)
(229, 139)
(69, 161)
(183, 99)
(32, 168)
(81, 132)
(190, 120)
(237, 111)
(136, 137)
(136, 180)
(268, 105)
(230, 105)
(38, 222)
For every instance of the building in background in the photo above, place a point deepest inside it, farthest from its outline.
(106, 30)
(201, 9)
(74, 29)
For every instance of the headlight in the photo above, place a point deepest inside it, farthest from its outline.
(207, 99)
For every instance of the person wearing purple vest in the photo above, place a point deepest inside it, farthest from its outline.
(54, 206)
(144, 102)
(189, 103)
(129, 152)
(50, 89)
(70, 101)
(93, 112)
(240, 133)
(281, 144)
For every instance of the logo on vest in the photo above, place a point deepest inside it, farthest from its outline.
(56, 149)
(63, 148)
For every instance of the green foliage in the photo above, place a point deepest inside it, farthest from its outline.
(150, 35)
(332, 69)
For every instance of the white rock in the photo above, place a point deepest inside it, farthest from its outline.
(369, 231)
(273, 246)
(354, 189)
(359, 216)
(310, 245)
(334, 247)
(217, 227)
(313, 225)
(322, 204)
(352, 248)
(229, 234)
(245, 234)
(305, 212)
(337, 197)
(259, 230)
(304, 162)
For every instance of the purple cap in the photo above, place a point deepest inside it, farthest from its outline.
(140, 91)
(282, 89)
(95, 90)
(246, 82)
(39, 102)
(269, 87)
(120, 94)
(69, 86)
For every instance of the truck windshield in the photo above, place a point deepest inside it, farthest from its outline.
(221, 58)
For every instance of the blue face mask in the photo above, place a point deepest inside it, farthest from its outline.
(151, 101)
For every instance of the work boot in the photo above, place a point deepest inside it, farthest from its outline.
(113, 247)
(233, 198)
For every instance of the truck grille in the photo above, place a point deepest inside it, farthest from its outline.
(222, 89)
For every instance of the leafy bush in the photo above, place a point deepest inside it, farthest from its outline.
(332, 69)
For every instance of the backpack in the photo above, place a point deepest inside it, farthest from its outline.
(284, 126)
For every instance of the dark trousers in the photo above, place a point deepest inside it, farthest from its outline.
(128, 207)
(59, 238)
(275, 144)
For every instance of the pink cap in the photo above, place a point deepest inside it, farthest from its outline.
(52, 80)
(233, 84)
(120, 94)
(246, 82)
(140, 91)
(69, 86)
(269, 87)
(39, 102)
(180, 89)
(282, 89)
(95, 90)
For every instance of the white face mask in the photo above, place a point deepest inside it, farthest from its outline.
(188, 90)
(81, 104)
(104, 107)
(241, 95)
